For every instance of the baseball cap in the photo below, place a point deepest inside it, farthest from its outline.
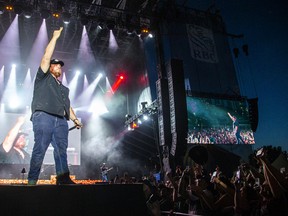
(56, 61)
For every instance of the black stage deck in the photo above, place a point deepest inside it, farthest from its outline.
(73, 200)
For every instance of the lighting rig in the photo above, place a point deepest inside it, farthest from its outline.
(133, 122)
(107, 16)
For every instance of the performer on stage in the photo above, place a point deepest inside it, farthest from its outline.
(236, 129)
(50, 112)
(104, 172)
(12, 149)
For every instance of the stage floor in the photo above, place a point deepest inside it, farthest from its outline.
(51, 181)
(72, 200)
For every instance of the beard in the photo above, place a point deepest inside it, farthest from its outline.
(57, 74)
(20, 145)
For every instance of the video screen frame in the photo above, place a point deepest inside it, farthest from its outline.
(74, 139)
(218, 120)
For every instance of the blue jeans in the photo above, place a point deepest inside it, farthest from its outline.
(239, 139)
(48, 129)
(105, 178)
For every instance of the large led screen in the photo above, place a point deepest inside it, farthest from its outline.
(10, 154)
(218, 121)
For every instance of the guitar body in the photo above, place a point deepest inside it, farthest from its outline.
(105, 172)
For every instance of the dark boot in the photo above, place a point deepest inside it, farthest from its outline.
(64, 179)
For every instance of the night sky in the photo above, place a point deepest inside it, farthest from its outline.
(263, 73)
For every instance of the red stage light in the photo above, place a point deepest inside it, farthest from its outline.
(135, 125)
(115, 86)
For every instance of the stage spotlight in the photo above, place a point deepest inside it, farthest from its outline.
(77, 73)
(139, 122)
(66, 17)
(100, 25)
(45, 14)
(121, 77)
(15, 103)
(145, 117)
(9, 8)
(144, 31)
(28, 11)
(132, 126)
(127, 117)
(56, 15)
(130, 30)
(129, 127)
(2, 8)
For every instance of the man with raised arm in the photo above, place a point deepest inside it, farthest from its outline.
(12, 150)
(236, 129)
(50, 112)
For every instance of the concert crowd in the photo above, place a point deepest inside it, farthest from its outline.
(258, 190)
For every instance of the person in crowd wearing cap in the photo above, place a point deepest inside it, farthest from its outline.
(12, 149)
(50, 112)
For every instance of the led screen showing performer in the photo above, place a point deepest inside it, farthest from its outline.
(218, 121)
(16, 141)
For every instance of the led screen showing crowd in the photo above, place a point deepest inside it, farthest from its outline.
(213, 120)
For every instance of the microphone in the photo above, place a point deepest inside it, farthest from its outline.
(72, 128)
(76, 126)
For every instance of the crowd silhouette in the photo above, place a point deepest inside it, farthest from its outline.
(257, 189)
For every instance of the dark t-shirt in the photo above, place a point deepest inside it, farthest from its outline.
(13, 156)
(236, 124)
(50, 96)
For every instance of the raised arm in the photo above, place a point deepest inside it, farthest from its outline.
(12, 134)
(232, 118)
(276, 181)
(45, 62)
